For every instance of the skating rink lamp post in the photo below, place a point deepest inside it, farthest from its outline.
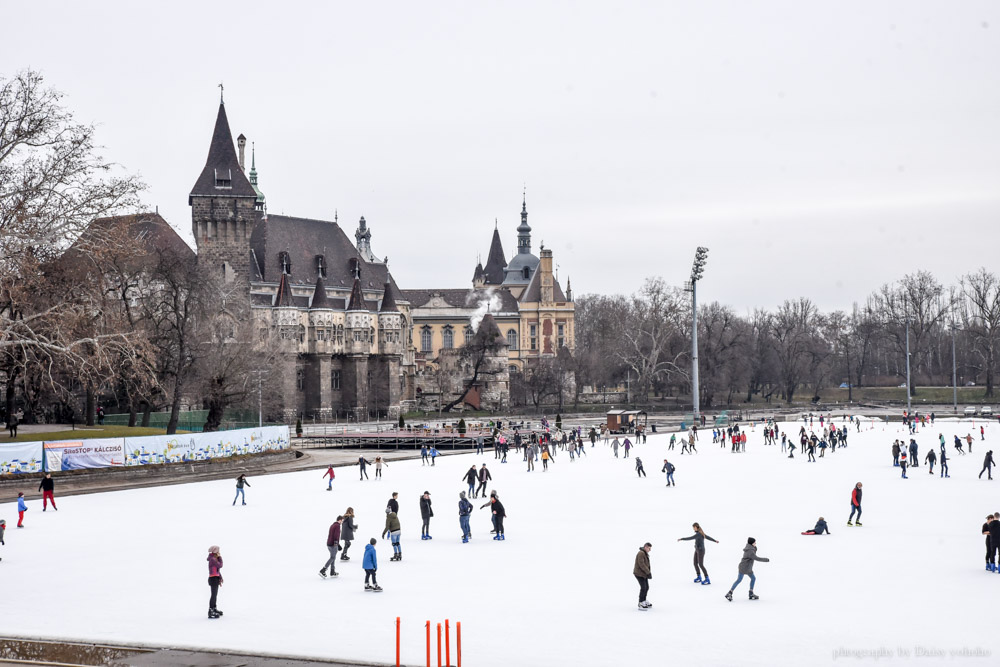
(700, 257)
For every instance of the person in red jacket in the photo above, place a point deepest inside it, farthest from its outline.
(47, 487)
(329, 473)
(333, 544)
(855, 505)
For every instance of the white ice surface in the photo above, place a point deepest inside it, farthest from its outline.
(130, 565)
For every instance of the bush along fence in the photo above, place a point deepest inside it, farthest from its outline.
(56, 455)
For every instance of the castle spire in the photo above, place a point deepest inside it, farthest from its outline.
(524, 229)
(222, 175)
(259, 204)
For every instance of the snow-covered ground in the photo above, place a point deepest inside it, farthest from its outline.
(130, 565)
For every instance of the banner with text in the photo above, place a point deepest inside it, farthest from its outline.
(20, 457)
(79, 454)
(204, 446)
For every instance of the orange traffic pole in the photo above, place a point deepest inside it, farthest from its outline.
(428, 644)
(458, 643)
(397, 641)
(439, 645)
(447, 643)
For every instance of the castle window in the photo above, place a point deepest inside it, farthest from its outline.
(468, 333)
(223, 178)
(302, 334)
(340, 333)
(526, 272)
(300, 379)
(321, 266)
(512, 339)
(425, 340)
(357, 335)
(449, 338)
(285, 262)
(335, 379)
(512, 368)
(533, 329)
(561, 328)
(227, 272)
(371, 335)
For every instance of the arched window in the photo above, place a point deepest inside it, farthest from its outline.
(302, 334)
(512, 339)
(526, 272)
(371, 335)
(425, 340)
(448, 336)
(468, 333)
(285, 262)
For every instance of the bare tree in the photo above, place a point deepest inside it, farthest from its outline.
(981, 319)
(650, 336)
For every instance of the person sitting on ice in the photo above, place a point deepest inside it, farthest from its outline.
(820, 528)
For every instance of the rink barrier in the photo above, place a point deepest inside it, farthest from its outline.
(447, 643)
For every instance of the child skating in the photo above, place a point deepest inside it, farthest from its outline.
(370, 565)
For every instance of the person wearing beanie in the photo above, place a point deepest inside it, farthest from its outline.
(642, 573)
(426, 513)
(214, 580)
(21, 509)
(370, 565)
(746, 568)
(464, 511)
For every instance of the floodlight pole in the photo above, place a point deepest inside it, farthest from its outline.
(954, 371)
(909, 409)
(696, 396)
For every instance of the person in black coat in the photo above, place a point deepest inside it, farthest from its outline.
(987, 465)
(484, 476)
(393, 504)
(426, 513)
(498, 514)
(470, 478)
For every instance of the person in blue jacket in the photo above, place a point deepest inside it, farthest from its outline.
(21, 509)
(370, 564)
(820, 528)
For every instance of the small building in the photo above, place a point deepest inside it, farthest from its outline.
(624, 421)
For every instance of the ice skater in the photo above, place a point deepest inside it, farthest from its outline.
(614, 447)
(378, 466)
(914, 459)
(639, 471)
(930, 459)
(370, 565)
(991, 565)
(746, 568)
(902, 463)
(425, 514)
(669, 468)
(484, 477)
(333, 545)
(329, 473)
(362, 463)
(643, 574)
(987, 466)
(423, 455)
(499, 514)
(958, 446)
(214, 580)
(470, 479)
(241, 482)
(699, 537)
(994, 530)
(856, 504)
(819, 528)
(347, 531)
(464, 510)
(393, 504)
(627, 444)
(47, 487)
(944, 464)
(392, 530)
(3, 529)
(21, 509)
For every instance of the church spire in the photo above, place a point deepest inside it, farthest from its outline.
(524, 230)
(259, 204)
(222, 175)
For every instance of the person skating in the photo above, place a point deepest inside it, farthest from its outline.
(434, 455)
(914, 459)
(21, 509)
(214, 580)
(627, 444)
(484, 477)
(470, 479)
(819, 528)
(493, 518)
(895, 453)
(699, 537)
(669, 468)
(643, 573)
(639, 471)
(329, 473)
(464, 511)
(812, 452)
(855, 505)
(902, 463)
(47, 487)
(994, 530)
(673, 441)
(241, 482)
(944, 464)
(370, 565)
(958, 446)
(425, 514)
(746, 568)
(362, 463)
(499, 513)
(545, 459)
(982, 433)
(347, 532)
(333, 545)
(393, 504)
(392, 530)
(614, 447)
(968, 441)
(3, 529)
(378, 466)
(423, 455)
(991, 565)
(930, 459)
(529, 451)
(987, 466)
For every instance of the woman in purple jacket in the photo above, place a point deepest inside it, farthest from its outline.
(214, 579)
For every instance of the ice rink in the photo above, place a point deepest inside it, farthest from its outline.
(130, 566)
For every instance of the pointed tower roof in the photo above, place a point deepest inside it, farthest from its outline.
(357, 298)
(319, 299)
(284, 297)
(388, 300)
(495, 263)
(222, 175)
(253, 177)
(488, 332)
(478, 274)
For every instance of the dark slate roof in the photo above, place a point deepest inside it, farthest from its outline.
(495, 263)
(459, 298)
(222, 162)
(388, 301)
(319, 299)
(478, 273)
(303, 239)
(283, 299)
(488, 332)
(533, 292)
(357, 298)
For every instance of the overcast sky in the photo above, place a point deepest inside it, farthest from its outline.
(817, 148)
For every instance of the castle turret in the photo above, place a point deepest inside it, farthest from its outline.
(222, 207)
(390, 324)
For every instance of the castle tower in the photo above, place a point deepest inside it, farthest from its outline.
(524, 230)
(357, 346)
(385, 372)
(363, 236)
(222, 207)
